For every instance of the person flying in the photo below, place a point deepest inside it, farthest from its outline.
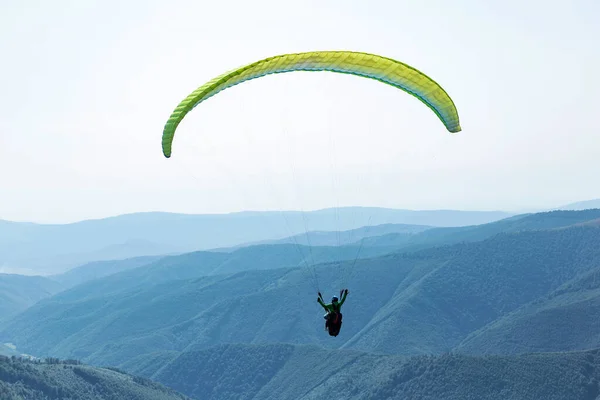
(333, 316)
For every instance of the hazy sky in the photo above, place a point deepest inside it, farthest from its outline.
(86, 87)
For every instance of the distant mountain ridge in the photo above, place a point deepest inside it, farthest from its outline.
(54, 248)
(340, 238)
(362, 242)
(416, 237)
(581, 205)
(99, 269)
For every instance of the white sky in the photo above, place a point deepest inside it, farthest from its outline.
(86, 87)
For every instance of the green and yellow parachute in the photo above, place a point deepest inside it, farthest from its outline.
(386, 70)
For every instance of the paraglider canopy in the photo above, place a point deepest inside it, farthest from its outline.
(382, 69)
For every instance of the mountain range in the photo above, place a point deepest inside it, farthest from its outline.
(193, 301)
(505, 309)
(42, 249)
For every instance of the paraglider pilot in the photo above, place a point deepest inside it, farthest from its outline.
(333, 317)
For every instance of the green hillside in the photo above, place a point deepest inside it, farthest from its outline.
(479, 283)
(566, 319)
(305, 372)
(54, 379)
(18, 292)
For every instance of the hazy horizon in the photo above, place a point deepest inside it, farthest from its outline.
(515, 211)
(88, 86)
